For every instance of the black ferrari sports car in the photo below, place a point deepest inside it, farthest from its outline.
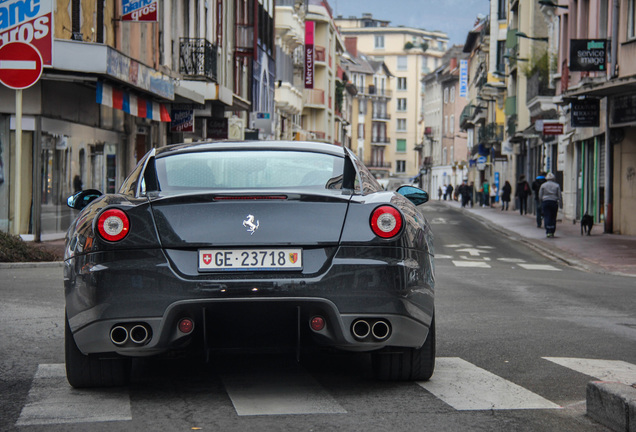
(248, 246)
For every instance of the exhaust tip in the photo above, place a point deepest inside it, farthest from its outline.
(381, 330)
(139, 334)
(360, 329)
(119, 335)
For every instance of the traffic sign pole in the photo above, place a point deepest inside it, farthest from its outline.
(18, 162)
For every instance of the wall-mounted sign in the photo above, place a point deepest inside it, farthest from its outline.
(28, 21)
(217, 128)
(463, 78)
(588, 55)
(623, 110)
(586, 113)
(552, 128)
(309, 54)
(139, 10)
(182, 121)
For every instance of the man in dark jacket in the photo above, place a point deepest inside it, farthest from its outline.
(536, 185)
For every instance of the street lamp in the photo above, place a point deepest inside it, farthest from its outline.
(525, 36)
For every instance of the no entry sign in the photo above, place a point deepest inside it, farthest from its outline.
(20, 65)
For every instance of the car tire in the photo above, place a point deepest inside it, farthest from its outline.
(406, 364)
(85, 371)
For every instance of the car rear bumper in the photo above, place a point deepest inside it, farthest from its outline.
(105, 290)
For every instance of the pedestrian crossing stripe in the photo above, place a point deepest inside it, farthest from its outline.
(292, 390)
(545, 267)
(467, 387)
(604, 370)
(472, 264)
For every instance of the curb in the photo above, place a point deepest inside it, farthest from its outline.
(22, 265)
(612, 404)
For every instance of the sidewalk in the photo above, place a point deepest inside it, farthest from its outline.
(598, 253)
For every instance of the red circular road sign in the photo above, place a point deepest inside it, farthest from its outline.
(20, 65)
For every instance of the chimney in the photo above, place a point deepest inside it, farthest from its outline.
(453, 63)
(351, 45)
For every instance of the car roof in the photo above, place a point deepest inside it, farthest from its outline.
(250, 145)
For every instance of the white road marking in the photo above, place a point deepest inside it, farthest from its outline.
(472, 251)
(511, 260)
(287, 390)
(465, 386)
(52, 400)
(17, 64)
(475, 264)
(546, 267)
(437, 256)
(605, 370)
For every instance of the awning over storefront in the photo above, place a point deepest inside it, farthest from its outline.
(130, 103)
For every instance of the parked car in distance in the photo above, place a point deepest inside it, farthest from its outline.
(230, 246)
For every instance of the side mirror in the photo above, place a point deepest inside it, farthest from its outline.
(416, 195)
(83, 198)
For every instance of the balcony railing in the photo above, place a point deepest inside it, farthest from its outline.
(381, 116)
(314, 97)
(380, 140)
(538, 86)
(376, 165)
(491, 132)
(197, 58)
(373, 91)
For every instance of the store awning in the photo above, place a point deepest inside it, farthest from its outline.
(131, 103)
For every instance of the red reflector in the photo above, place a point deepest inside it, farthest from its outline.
(317, 323)
(186, 325)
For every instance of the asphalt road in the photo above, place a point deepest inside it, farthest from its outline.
(519, 336)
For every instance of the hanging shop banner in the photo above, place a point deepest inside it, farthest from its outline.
(623, 110)
(131, 103)
(463, 78)
(586, 113)
(309, 54)
(182, 121)
(29, 21)
(139, 10)
(552, 128)
(588, 55)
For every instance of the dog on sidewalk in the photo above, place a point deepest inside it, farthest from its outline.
(587, 222)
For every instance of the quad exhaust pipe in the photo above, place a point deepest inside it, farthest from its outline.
(378, 329)
(138, 334)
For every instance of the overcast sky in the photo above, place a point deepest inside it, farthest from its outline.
(453, 17)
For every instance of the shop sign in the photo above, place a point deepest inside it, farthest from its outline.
(131, 71)
(588, 55)
(182, 121)
(481, 163)
(463, 78)
(585, 113)
(309, 54)
(29, 21)
(623, 110)
(139, 10)
(552, 128)
(217, 128)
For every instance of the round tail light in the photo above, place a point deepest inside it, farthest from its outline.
(113, 225)
(317, 323)
(386, 221)
(186, 325)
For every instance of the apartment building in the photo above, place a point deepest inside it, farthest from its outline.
(321, 73)
(370, 119)
(409, 54)
(114, 88)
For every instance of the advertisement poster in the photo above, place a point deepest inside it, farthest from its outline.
(29, 21)
(588, 55)
(309, 54)
(139, 10)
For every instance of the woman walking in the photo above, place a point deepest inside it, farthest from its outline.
(551, 201)
(523, 190)
(506, 190)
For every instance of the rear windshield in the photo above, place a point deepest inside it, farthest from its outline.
(249, 169)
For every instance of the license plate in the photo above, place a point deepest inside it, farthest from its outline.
(250, 259)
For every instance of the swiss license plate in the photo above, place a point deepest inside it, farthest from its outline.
(250, 259)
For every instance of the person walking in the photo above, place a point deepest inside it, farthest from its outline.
(536, 185)
(506, 191)
(449, 192)
(523, 190)
(485, 194)
(551, 202)
(439, 193)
